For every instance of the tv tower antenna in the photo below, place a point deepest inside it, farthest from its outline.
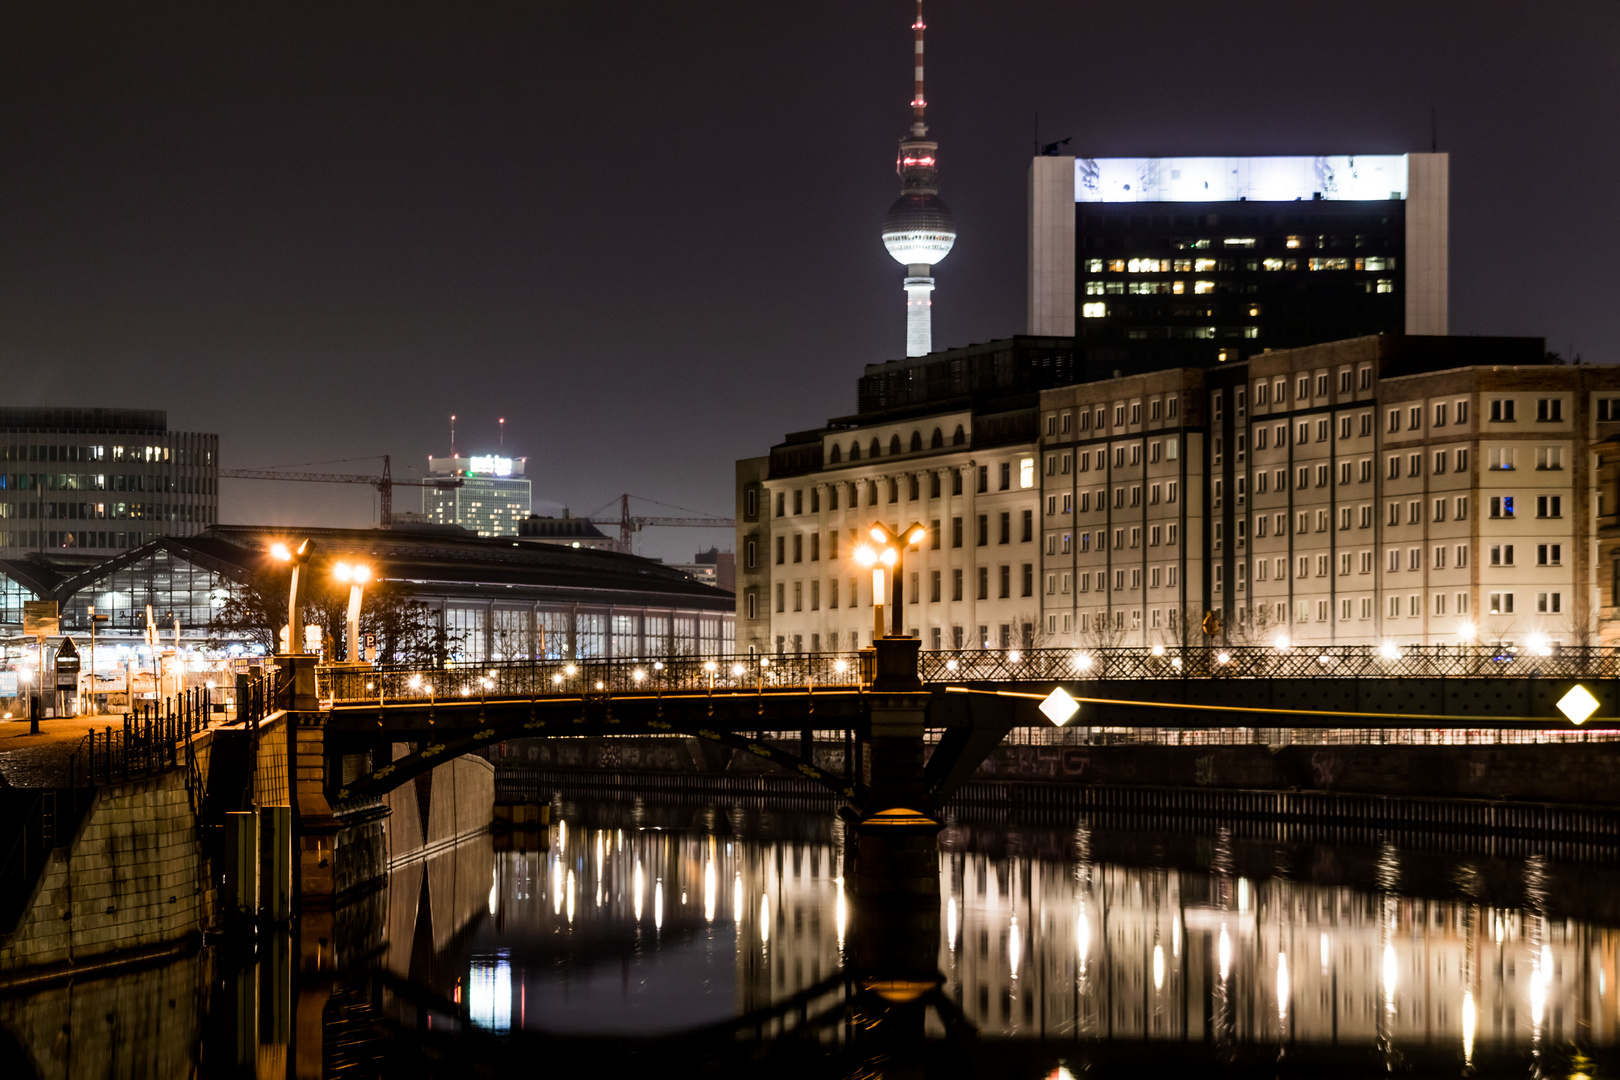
(919, 229)
(452, 434)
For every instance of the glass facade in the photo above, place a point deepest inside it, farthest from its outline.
(493, 634)
(101, 480)
(173, 586)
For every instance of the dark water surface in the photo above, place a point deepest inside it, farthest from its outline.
(725, 941)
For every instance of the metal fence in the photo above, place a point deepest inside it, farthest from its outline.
(153, 738)
(526, 679)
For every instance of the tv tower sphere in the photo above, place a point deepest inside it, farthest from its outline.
(918, 230)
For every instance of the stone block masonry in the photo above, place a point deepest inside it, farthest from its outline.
(132, 879)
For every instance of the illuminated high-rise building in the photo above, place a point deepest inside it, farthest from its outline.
(918, 230)
(493, 497)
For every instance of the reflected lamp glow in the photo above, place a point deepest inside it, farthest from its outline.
(840, 912)
(1390, 976)
(1469, 1020)
(1015, 946)
(711, 891)
(765, 918)
(1282, 986)
(1158, 967)
(639, 889)
(658, 905)
(1223, 952)
(950, 924)
(489, 994)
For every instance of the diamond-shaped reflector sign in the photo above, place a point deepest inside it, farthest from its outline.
(1060, 708)
(1578, 704)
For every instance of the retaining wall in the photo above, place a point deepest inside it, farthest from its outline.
(1563, 773)
(132, 878)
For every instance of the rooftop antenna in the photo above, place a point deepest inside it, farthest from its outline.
(1434, 132)
(452, 434)
(503, 433)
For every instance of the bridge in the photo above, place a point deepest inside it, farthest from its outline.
(915, 725)
(973, 698)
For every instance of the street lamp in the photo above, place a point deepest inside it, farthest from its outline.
(356, 577)
(886, 554)
(295, 600)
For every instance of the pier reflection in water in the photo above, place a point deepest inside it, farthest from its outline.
(732, 941)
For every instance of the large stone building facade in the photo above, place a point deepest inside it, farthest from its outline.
(1382, 490)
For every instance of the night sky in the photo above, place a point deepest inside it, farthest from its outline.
(647, 233)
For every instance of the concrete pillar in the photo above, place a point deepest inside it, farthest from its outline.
(240, 894)
(276, 846)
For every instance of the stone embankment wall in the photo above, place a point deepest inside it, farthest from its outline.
(1566, 773)
(131, 879)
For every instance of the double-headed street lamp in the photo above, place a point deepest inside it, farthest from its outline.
(356, 576)
(887, 554)
(295, 599)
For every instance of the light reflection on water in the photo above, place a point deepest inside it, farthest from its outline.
(1041, 947)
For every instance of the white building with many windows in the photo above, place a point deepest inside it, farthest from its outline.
(1382, 490)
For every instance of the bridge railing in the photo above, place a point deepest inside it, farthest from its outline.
(559, 678)
(1267, 662)
(670, 674)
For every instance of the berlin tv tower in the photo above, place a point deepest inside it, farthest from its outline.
(918, 230)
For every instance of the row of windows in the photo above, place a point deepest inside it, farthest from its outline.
(179, 455)
(1158, 409)
(1158, 577)
(1169, 491)
(1276, 392)
(1003, 532)
(77, 511)
(1158, 450)
(1206, 264)
(891, 487)
(1167, 535)
(875, 448)
(1003, 586)
(143, 482)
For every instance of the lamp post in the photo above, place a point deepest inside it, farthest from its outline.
(356, 576)
(887, 554)
(295, 600)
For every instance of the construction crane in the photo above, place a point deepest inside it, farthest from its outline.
(385, 484)
(629, 526)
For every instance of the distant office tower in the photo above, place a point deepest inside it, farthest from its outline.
(918, 230)
(98, 481)
(491, 501)
(1189, 262)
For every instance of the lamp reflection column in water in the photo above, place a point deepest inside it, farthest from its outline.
(886, 556)
(355, 577)
(295, 598)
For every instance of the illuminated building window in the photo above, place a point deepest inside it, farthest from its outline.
(1501, 603)
(1093, 311)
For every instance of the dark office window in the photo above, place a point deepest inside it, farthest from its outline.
(1006, 581)
(1006, 527)
(956, 532)
(1029, 580)
(984, 530)
(1028, 533)
(984, 583)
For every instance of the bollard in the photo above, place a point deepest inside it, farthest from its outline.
(240, 896)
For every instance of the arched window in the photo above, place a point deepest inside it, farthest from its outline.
(916, 441)
(854, 451)
(960, 437)
(894, 444)
(836, 456)
(938, 440)
(877, 447)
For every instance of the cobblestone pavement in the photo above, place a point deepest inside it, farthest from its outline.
(42, 760)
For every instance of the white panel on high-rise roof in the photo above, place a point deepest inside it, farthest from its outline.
(1337, 177)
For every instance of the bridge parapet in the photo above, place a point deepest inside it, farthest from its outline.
(757, 673)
